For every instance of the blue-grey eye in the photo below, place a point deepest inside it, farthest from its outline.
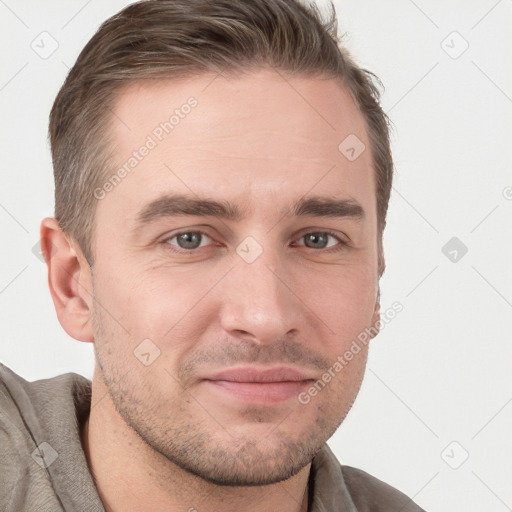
(189, 239)
(319, 240)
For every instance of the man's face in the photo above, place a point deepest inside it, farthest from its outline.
(209, 327)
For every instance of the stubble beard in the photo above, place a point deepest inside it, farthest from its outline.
(219, 455)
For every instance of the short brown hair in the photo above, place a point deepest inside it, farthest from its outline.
(175, 38)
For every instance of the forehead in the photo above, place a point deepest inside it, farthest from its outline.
(242, 137)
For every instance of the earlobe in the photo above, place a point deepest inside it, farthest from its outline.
(69, 280)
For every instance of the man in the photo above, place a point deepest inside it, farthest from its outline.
(222, 174)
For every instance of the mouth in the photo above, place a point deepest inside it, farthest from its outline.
(256, 386)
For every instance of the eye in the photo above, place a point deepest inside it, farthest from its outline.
(320, 240)
(189, 240)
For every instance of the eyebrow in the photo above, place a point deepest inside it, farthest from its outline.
(176, 205)
(327, 207)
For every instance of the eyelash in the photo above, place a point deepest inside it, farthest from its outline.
(342, 244)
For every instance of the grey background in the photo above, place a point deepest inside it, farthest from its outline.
(434, 414)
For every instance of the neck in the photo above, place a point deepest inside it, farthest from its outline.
(130, 475)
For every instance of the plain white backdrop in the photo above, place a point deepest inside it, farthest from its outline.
(434, 414)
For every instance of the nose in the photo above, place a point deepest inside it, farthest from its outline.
(259, 302)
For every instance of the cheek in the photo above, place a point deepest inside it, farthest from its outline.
(345, 302)
(165, 305)
(330, 398)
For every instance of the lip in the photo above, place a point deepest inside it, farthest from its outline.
(254, 374)
(259, 386)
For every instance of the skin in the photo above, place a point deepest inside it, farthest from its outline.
(159, 437)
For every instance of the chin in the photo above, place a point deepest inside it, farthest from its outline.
(244, 461)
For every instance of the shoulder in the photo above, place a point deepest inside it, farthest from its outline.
(14, 387)
(344, 487)
(34, 405)
(371, 494)
(40, 444)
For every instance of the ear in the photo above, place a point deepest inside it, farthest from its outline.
(381, 266)
(376, 323)
(381, 261)
(69, 279)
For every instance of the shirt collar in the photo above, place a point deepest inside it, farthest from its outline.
(329, 491)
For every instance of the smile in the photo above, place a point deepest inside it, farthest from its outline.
(259, 386)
